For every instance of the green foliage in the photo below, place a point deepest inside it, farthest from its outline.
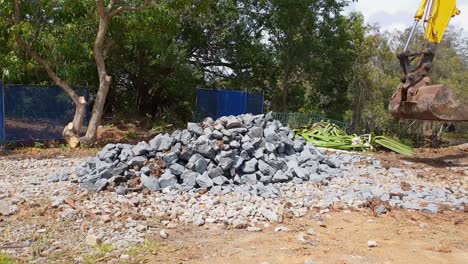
(39, 145)
(6, 259)
(329, 135)
(131, 135)
(99, 254)
(305, 56)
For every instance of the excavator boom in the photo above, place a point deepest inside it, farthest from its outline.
(416, 97)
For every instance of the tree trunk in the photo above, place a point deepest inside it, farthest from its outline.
(284, 99)
(104, 80)
(74, 127)
(105, 15)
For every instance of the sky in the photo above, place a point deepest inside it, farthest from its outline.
(399, 14)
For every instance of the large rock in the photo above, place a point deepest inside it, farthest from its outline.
(166, 143)
(137, 161)
(233, 122)
(250, 179)
(215, 172)
(150, 183)
(206, 149)
(167, 180)
(280, 177)
(225, 163)
(270, 134)
(255, 132)
(189, 178)
(250, 166)
(185, 137)
(170, 158)
(301, 173)
(177, 169)
(220, 180)
(141, 148)
(194, 128)
(204, 181)
(265, 168)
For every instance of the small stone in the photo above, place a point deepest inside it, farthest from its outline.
(69, 215)
(121, 190)
(431, 208)
(281, 229)
(311, 232)
(92, 240)
(303, 238)
(371, 243)
(106, 218)
(254, 229)
(124, 257)
(423, 225)
(56, 201)
(198, 220)
(163, 234)
(171, 225)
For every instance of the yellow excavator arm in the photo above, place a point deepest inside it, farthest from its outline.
(416, 97)
(438, 14)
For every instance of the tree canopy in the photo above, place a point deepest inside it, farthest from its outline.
(305, 56)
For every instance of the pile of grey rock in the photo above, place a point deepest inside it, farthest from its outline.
(252, 151)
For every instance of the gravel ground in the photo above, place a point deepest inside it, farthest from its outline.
(31, 206)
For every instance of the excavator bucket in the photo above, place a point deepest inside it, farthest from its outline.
(428, 102)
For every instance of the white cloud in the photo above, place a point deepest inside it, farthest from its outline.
(398, 14)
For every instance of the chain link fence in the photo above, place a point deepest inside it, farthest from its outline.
(295, 120)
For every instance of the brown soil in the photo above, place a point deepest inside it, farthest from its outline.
(402, 237)
(444, 164)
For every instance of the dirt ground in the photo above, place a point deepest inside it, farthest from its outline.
(402, 237)
(341, 236)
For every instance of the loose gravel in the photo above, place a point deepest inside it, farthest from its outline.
(123, 220)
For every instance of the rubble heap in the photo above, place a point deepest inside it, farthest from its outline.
(246, 151)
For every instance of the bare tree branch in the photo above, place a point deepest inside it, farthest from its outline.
(120, 9)
(111, 4)
(100, 8)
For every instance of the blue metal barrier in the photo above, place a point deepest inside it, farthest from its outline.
(33, 113)
(217, 103)
(2, 123)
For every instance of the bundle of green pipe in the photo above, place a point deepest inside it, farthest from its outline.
(328, 135)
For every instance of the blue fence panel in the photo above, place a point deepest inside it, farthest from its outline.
(231, 103)
(254, 104)
(207, 102)
(2, 124)
(35, 113)
(217, 103)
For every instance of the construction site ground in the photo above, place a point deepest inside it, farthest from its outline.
(402, 236)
